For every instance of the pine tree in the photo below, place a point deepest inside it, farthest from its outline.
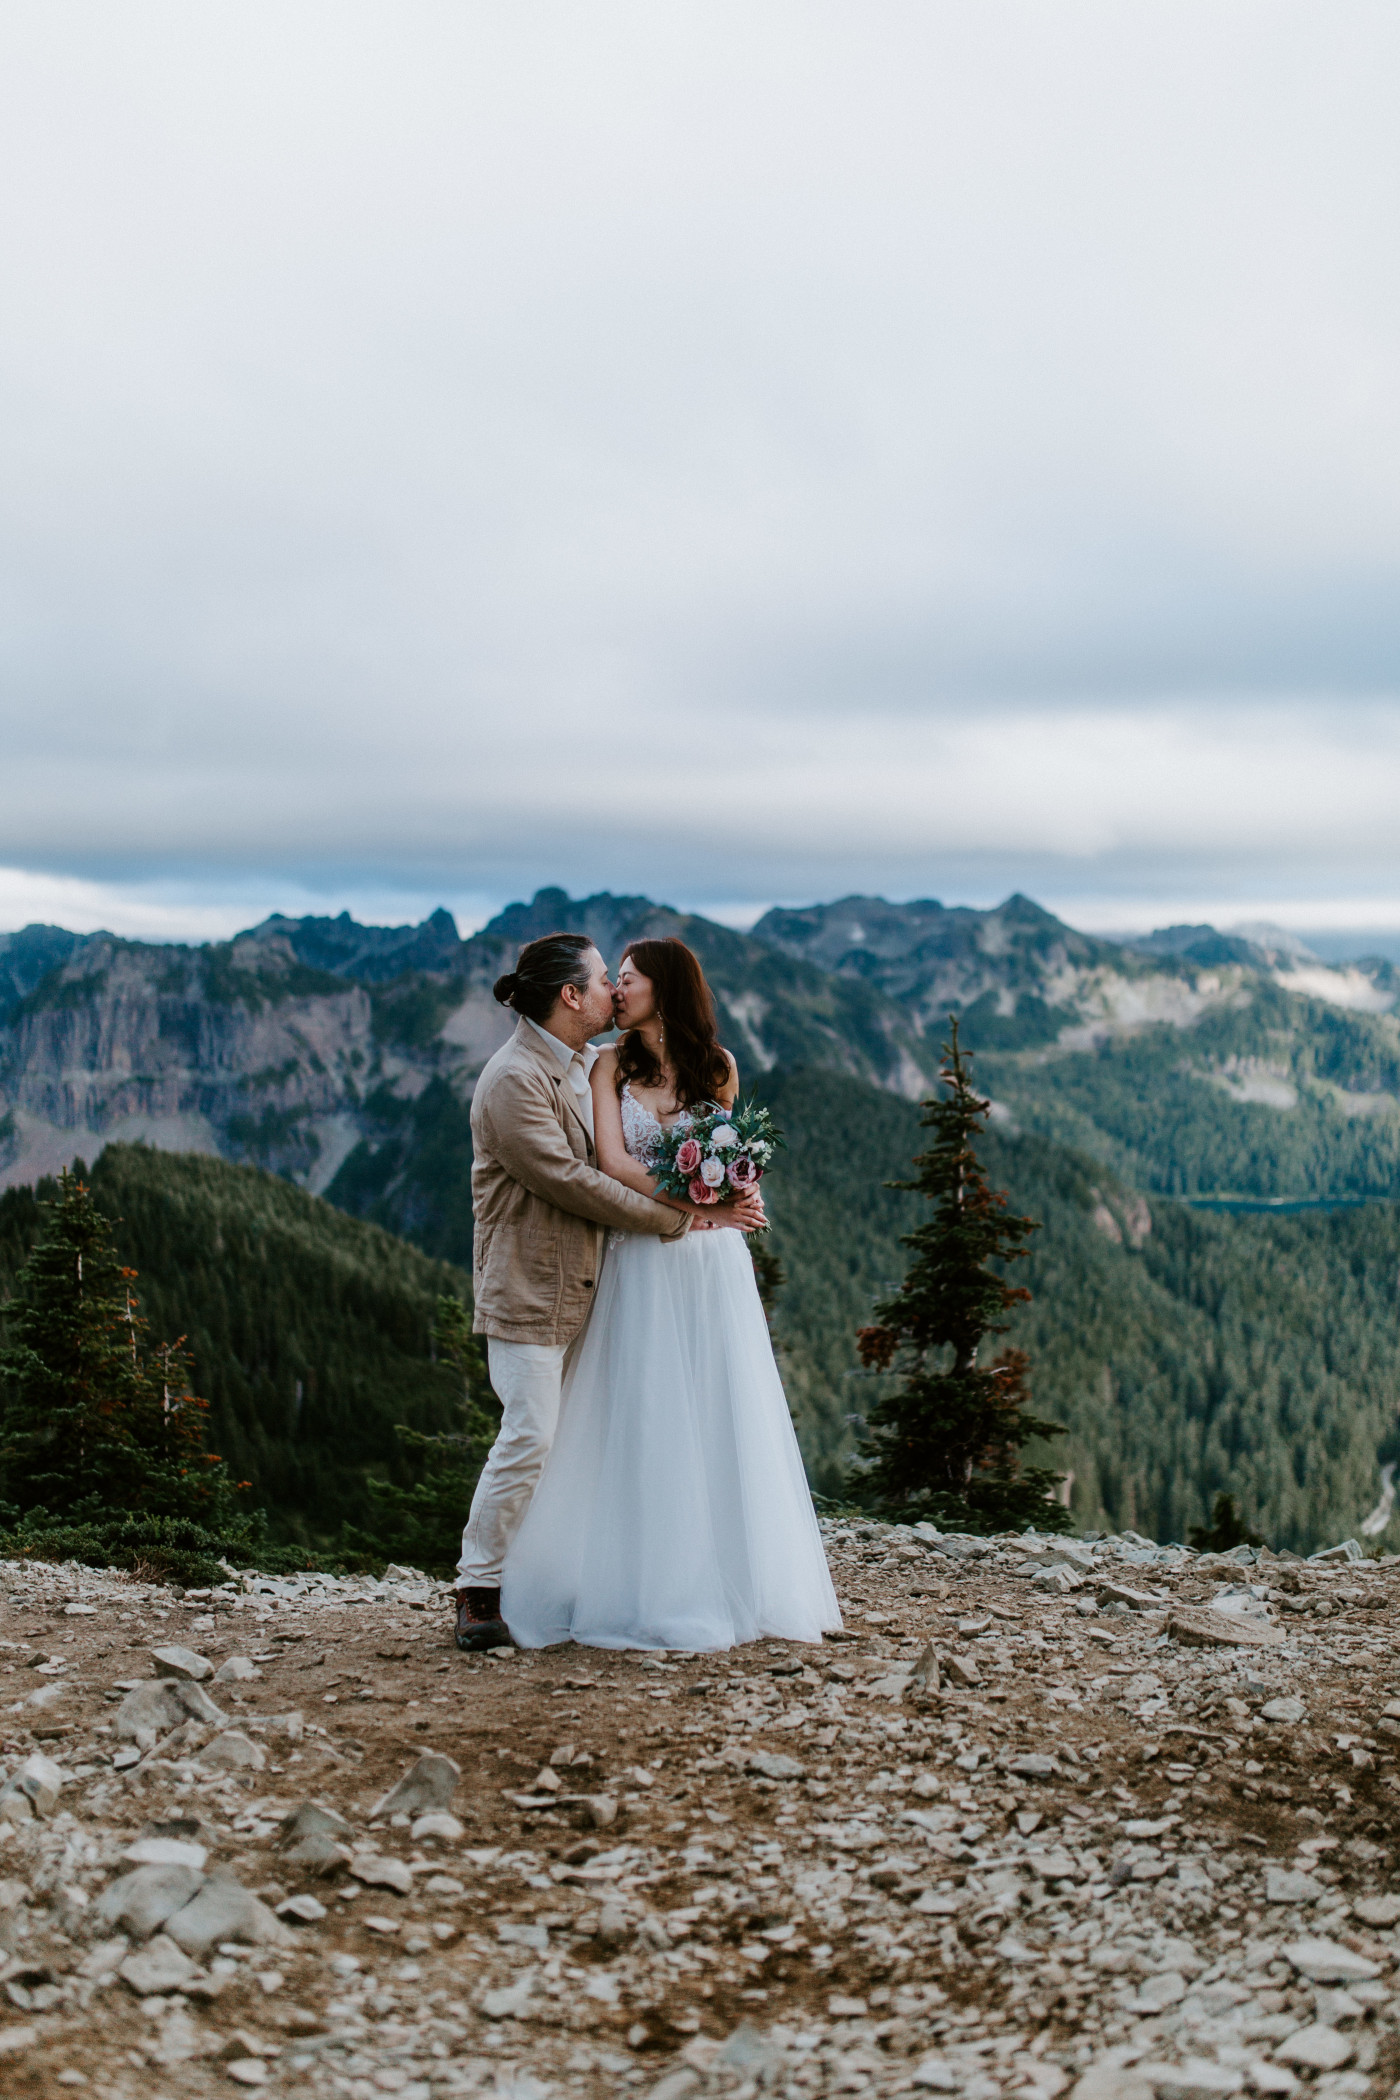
(1226, 1529)
(90, 1425)
(946, 1445)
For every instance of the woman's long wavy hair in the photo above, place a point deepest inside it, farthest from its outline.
(688, 1018)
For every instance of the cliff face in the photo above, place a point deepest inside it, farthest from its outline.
(318, 1047)
(239, 1051)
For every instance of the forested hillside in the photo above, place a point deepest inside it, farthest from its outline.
(1279, 1098)
(1185, 1353)
(310, 1332)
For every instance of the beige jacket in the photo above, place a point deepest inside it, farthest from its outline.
(540, 1204)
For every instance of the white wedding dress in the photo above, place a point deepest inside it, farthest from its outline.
(673, 1511)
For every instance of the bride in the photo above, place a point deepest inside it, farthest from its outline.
(673, 1511)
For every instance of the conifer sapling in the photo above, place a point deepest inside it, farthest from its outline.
(946, 1444)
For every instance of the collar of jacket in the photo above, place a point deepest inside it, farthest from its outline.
(528, 1042)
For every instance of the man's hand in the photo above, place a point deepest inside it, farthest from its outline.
(746, 1214)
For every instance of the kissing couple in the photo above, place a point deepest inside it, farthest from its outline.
(645, 1489)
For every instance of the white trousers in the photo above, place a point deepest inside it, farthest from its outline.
(526, 1378)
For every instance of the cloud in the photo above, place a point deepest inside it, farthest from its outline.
(731, 453)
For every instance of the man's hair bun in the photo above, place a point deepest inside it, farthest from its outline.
(542, 969)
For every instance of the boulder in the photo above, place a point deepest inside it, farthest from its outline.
(141, 1901)
(771, 1764)
(1326, 1961)
(1218, 1629)
(1197, 2078)
(438, 1824)
(313, 1820)
(430, 1783)
(961, 1669)
(1136, 1600)
(1317, 2048)
(104, 1959)
(147, 1714)
(233, 1751)
(236, 1670)
(37, 1784)
(160, 1966)
(305, 1909)
(165, 1852)
(47, 1695)
(182, 1662)
(1054, 1866)
(378, 1871)
(225, 1910)
(1286, 1885)
(197, 1703)
(926, 1679)
(315, 1839)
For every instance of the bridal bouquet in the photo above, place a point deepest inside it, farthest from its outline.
(714, 1154)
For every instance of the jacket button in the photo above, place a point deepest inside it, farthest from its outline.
(588, 1283)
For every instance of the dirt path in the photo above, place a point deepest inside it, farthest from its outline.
(1096, 1854)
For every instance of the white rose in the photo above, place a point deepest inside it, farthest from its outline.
(724, 1137)
(711, 1173)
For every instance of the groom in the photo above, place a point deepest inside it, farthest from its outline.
(541, 1208)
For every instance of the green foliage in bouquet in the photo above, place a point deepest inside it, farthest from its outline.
(714, 1154)
(946, 1445)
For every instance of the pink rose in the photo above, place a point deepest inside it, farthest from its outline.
(688, 1157)
(700, 1194)
(743, 1174)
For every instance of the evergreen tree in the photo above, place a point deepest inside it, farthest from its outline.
(90, 1425)
(769, 1274)
(1226, 1529)
(422, 1524)
(946, 1445)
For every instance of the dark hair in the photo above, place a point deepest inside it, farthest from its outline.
(542, 969)
(688, 1017)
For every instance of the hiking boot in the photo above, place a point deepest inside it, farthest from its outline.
(479, 1622)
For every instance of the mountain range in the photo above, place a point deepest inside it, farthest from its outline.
(1133, 1084)
(1193, 1062)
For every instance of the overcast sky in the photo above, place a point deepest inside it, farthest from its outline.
(737, 452)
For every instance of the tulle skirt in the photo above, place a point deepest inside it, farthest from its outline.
(673, 1510)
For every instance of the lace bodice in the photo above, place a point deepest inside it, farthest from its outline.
(641, 1130)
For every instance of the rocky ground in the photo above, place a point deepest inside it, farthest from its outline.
(1099, 1819)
